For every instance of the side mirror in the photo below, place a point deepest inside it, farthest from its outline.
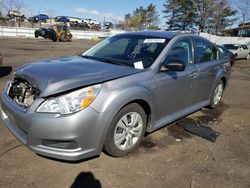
(174, 65)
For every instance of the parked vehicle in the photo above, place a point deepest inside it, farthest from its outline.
(227, 54)
(108, 25)
(39, 17)
(74, 107)
(42, 32)
(15, 14)
(240, 51)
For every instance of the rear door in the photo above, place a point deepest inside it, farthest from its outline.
(208, 65)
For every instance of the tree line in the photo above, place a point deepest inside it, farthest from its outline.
(203, 15)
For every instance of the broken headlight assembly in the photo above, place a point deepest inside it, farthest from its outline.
(71, 102)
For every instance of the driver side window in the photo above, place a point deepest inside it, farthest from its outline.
(180, 52)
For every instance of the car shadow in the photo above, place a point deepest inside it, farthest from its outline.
(5, 71)
(86, 179)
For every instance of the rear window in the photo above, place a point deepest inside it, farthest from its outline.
(205, 51)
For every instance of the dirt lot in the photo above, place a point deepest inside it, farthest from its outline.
(168, 157)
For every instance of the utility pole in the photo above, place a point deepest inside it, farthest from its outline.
(104, 21)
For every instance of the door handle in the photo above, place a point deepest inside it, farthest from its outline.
(193, 74)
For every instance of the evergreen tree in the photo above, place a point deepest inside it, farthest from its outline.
(221, 17)
(171, 14)
(180, 14)
(143, 18)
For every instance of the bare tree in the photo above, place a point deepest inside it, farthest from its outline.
(204, 8)
(243, 7)
(12, 5)
(15, 5)
(222, 16)
(51, 13)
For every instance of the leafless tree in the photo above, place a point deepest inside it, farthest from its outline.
(243, 7)
(12, 5)
(51, 13)
(204, 9)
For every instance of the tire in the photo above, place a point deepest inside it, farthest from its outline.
(63, 38)
(217, 95)
(248, 57)
(54, 39)
(127, 134)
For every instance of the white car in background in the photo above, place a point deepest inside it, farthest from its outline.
(240, 51)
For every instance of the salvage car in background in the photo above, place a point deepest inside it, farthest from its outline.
(74, 107)
(42, 32)
(240, 51)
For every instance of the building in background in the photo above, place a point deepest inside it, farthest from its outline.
(243, 30)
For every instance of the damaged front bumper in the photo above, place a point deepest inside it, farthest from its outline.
(67, 137)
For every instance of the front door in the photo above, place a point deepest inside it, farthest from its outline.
(174, 89)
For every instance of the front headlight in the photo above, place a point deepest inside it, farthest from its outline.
(71, 102)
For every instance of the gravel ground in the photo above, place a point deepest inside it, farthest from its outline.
(169, 157)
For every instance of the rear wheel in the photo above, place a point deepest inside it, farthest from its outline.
(126, 131)
(217, 95)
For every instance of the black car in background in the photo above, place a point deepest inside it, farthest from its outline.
(227, 54)
(46, 33)
(42, 32)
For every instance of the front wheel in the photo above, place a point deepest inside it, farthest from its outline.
(126, 131)
(217, 95)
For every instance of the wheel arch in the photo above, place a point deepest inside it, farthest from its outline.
(224, 80)
(146, 107)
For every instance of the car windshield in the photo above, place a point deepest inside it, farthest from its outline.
(231, 46)
(129, 50)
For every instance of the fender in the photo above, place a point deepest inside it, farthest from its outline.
(120, 98)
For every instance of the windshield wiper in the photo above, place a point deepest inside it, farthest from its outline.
(106, 60)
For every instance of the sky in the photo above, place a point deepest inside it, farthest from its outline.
(112, 10)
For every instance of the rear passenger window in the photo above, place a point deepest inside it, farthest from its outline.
(205, 51)
(181, 51)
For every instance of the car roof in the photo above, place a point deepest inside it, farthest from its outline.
(163, 34)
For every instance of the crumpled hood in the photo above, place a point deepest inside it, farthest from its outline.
(58, 75)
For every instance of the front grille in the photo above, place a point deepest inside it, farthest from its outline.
(22, 93)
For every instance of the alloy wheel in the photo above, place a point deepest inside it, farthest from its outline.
(128, 131)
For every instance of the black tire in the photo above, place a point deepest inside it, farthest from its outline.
(109, 145)
(213, 103)
(54, 39)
